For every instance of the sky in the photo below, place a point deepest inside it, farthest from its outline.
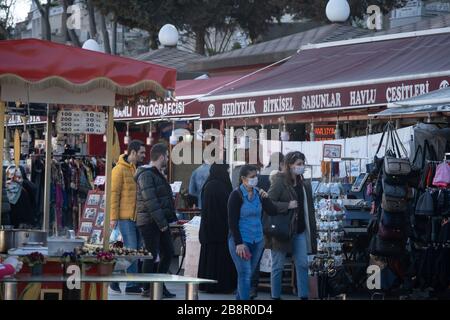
(20, 10)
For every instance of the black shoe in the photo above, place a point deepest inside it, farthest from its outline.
(115, 288)
(167, 294)
(146, 294)
(133, 290)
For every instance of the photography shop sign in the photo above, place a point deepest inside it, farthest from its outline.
(154, 110)
(350, 97)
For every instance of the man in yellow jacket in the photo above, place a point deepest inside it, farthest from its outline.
(123, 205)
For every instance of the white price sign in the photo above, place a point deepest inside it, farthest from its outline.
(81, 122)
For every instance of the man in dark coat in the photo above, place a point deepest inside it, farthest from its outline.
(155, 210)
(215, 260)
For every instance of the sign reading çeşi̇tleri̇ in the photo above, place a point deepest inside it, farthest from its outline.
(80, 122)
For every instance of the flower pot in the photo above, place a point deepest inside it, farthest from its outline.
(37, 269)
(105, 269)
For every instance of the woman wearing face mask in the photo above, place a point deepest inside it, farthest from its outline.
(291, 193)
(246, 241)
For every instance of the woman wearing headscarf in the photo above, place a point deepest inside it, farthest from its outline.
(215, 261)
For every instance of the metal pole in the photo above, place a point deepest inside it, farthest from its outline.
(191, 291)
(2, 143)
(109, 149)
(10, 290)
(48, 173)
(157, 290)
(231, 151)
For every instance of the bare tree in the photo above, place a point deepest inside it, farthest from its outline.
(105, 34)
(92, 23)
(68, 33)
(44, 10)
(6, 20)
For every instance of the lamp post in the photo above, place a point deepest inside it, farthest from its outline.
(337, 10)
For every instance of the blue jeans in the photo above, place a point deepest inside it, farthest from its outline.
(300, 255)
(131, 239)
(245, 268)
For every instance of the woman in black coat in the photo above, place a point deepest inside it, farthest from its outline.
(215, 261)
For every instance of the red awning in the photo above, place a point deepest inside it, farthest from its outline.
(42, 64)
(340, 76)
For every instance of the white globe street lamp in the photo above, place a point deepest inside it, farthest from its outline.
(168, 35)
(92, 45)
(337, 10)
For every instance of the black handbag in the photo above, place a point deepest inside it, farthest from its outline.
(394, 191)
(425, 205)
(386, 248)
(393, 220)
(281, 226)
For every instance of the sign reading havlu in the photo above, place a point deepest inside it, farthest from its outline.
(317, 100)
(80, 122)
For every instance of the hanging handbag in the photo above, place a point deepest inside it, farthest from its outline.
(386, 233)
(425, 205)
(394, 205)
(392, 220)
(397, 166)
(442, 176)
(386, 248)
(394, 191)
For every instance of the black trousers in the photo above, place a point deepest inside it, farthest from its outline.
(157, 242)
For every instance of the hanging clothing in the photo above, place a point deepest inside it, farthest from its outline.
(22, 211)
(215, 260)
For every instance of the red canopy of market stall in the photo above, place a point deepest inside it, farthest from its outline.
(40, 65)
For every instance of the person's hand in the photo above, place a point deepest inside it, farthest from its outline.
(113, 224)
(14, 262)
(241, 251)
(293, 204)
(263, 194)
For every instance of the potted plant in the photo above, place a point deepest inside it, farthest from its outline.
(105, 263)
(35, 261)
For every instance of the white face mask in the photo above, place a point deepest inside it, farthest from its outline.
(252, 182)
(298, 170)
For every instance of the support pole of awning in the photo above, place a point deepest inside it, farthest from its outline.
(108, 178)
(230, 152)
(2, 139)
(48, 172)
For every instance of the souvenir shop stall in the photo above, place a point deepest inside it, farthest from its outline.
(80, 100)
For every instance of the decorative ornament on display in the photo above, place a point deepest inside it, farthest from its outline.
(284, 136)
(337, 10)
(199, 133)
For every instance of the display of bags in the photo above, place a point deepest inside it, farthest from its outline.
(425, 205)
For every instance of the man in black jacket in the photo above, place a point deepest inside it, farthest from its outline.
(155, 210)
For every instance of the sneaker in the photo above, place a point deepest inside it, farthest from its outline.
(133, 290)
(167, 294)
(146, 294)
(115, 288)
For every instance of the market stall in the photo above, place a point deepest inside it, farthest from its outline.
(84, 84)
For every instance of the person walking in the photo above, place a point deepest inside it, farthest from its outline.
(245, 241)
(215, 260)
(123, 206)
(155, 210)
(293, 195)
